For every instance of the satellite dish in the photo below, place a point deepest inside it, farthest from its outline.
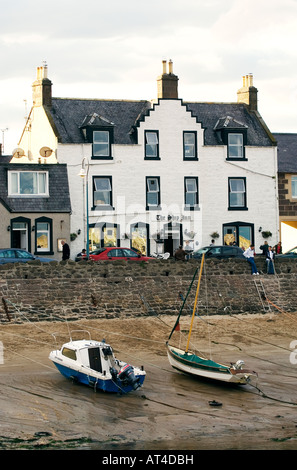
(45, 152)
(18, 153)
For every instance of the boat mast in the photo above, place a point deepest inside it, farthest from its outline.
(181, 309)
(195, 303)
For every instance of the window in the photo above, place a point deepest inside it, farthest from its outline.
(115, 253)
(28, 183)
(235, 146)
(102, 192)
(152, 145)
(102, 235)
(43, 235)
(240, 233)
(152, 192)
(191, 193)
(139, 234)
(129, 253)
(294, 186)
(23, 255)
(190, 145)
(101, 144)
(70, 353)
(237, 193)
(7, 254)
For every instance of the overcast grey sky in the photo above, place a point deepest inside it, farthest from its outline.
(114, 49)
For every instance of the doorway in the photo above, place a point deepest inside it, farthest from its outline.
(172, 237)
(20, 233)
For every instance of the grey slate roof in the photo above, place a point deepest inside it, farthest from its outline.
(58, 200)
(286, 152)
(209, 114)
(68, 115)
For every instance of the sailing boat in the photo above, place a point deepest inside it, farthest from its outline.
(190, 363)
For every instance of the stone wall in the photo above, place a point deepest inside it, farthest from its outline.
(287, 205)
(56, 291)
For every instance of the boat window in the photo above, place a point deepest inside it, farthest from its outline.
(70, 353)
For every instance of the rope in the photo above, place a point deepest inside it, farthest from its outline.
(90, 327)
(147, 339)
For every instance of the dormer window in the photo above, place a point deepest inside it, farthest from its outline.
(233, 134)
(101, 144)
(235, 146)
(98, 131)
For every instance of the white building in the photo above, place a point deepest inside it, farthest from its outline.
(167, 171)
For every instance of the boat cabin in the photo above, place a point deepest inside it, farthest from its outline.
(92, 354)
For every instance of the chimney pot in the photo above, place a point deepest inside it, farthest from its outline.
(167, 83)
(248, 93)
(42, 88)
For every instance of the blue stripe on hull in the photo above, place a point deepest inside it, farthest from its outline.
(106, 385)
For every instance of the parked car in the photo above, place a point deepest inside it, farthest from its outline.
(16, 255)
(117, 253)
(292, 253)
(219, 252)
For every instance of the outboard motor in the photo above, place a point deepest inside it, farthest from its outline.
(126, 375)
(238, 365)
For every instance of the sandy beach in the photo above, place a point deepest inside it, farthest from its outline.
(40, 409)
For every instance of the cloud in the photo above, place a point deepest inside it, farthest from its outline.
(114, 50)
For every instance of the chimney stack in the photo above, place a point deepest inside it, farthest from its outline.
(248, 94)
(167, 82)
(42, 88)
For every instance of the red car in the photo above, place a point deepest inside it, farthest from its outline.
(115, 253)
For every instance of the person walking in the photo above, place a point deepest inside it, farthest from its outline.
(65, 251)
(250, 254)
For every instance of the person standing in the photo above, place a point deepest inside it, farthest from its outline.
(250, 254)
(65, 251)
(264, 248)
(180, 254)
(188, 250)
(278, 249)
(269, 260)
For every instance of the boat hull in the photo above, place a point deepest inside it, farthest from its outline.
(93, 380)
(196, 366)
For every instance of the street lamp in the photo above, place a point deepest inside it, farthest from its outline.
(84, 173)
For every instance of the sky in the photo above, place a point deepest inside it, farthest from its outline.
(114, 50)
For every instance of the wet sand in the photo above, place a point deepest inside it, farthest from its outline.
(40, 409)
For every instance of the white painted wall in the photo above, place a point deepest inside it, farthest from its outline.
(37, 134)
(129, 170)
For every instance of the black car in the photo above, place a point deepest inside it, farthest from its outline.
(219, 252)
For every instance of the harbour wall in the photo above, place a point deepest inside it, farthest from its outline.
(68, 290)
